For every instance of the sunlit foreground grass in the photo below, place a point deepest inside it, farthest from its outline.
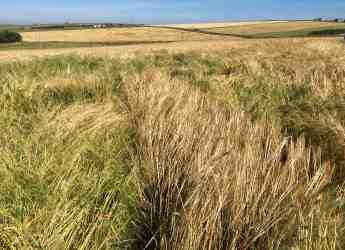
(235, 150)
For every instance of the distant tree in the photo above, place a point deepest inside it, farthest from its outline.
(7, 36)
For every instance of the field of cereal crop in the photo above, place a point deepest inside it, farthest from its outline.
(197, 141)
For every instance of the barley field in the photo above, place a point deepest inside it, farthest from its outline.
(164, 33)
(113, 34)
(153, 33)
(178, 38)
(268, 27)
(212, 144)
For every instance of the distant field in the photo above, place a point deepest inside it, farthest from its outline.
(181, 33)
(196, 37)
(130, 51)
(219, 24)
(274, 29)
(124, 51)
(114, 34)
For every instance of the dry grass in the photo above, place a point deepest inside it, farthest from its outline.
(226, 189)
(238, 148)
(65, 183)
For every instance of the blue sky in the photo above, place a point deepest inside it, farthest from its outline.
(167, 11)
